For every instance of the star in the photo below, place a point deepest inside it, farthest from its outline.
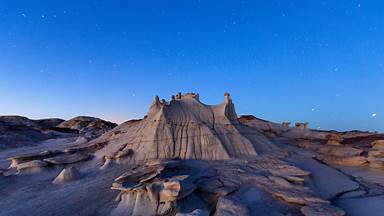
(43, 16)
(313, 109)
(374, 114)
(23, 14)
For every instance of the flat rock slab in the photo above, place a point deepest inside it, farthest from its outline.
(323, 185)
(67, 158)
(31, 164)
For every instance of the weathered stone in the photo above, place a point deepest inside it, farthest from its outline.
(228, 207)
(67, 158)
(175, 188)
(377, 162)
(15, 160)
(158, 196)
(346, 161)
(376, 153)
(338, 151)
(182, 128)
(297, 196)
(378, 144)
(66, 175)
(333, 139)
(31, 164)
(322, 210)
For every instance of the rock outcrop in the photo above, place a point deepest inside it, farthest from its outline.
(66, 175)
(145, 192)
(90, 127)
(181, 128)
(16, 131)
(376, 154)
(187, 158)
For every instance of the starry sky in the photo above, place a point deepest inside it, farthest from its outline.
(313, 61)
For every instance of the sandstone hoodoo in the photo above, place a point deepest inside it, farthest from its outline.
(182, 128)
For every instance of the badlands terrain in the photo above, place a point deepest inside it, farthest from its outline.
(187, 158)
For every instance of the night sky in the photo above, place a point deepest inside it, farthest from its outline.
(313, 61)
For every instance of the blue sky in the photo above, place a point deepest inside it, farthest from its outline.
(315, 61)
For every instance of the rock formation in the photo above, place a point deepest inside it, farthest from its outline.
(182, 128)
(88, 126)
(19, 131)
(67, 175)
(187, 158)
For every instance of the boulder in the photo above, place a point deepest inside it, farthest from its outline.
(66, 175)
(175, 188)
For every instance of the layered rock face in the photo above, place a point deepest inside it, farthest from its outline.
(181, 128)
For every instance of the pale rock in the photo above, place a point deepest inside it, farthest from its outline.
(66, 175)
(31, 164)
(345, 161)
(182, 128)
(378, 144)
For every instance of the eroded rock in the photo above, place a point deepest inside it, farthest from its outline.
(31, 164)
(67, 158)
(66, 175)
(322, 210)
(229, 207)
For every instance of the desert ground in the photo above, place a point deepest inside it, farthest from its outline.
(187, 158)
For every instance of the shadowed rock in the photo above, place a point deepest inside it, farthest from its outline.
(88, 126)
(67, 158)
